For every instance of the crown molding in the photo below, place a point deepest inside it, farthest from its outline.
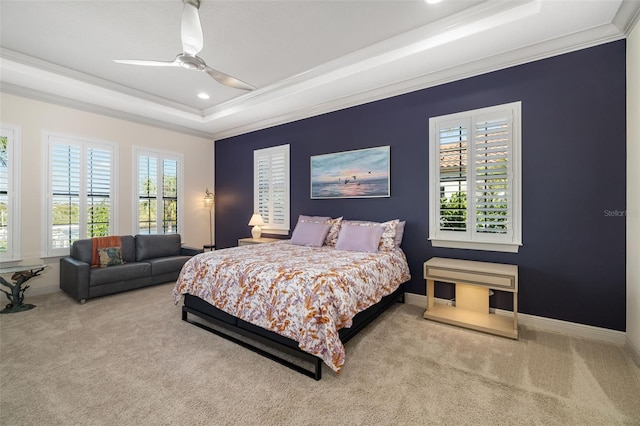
(38, 95)
(7, 56)
(573, 42)
(627, 16)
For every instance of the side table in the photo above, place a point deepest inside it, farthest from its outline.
(473, 280)
(251, 241)
(21, 274)
(210, 247)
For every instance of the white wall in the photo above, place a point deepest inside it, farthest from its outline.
(633, 191)
(35, 117)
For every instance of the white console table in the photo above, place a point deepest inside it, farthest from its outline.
(473, 280)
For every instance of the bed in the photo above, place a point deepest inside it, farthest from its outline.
(304, 300)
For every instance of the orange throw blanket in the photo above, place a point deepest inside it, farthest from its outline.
(103, 242)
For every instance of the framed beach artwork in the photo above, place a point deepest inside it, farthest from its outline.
(363, 173)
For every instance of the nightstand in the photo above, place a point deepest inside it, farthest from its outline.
(250, 241)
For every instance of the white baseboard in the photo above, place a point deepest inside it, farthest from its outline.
(542, 323)
(634, 350)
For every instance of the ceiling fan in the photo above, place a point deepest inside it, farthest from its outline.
(192, 43)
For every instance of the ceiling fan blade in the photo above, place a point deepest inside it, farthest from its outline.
(227, 80)
(191, 29)
(147, 63)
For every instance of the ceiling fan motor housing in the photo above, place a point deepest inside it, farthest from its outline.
(191, 62)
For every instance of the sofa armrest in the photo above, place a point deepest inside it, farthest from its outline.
(190, 251)
(74, 278)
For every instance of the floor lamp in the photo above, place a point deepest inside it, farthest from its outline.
(208, 202)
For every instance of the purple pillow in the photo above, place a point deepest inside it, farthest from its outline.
(399, 233)
(310, 234)
(359, 238)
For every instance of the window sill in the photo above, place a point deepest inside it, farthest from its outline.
(473, 245)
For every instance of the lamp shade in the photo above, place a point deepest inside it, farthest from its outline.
(256, 220)
(208, 199)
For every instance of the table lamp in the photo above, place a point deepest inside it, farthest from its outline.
(256, 221)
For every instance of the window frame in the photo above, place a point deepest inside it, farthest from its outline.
(161, 156)
(14, 151)
(84, 144)
(471, 238)
(269, 154)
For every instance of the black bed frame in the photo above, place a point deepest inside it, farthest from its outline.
(198, 307)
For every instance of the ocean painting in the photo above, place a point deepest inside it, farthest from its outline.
(351, 174)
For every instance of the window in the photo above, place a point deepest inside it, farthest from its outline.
(9, 185)
(159, 183)
(271, 188)
(80, 195)
(475, 179)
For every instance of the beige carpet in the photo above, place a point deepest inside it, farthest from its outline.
(128, 359)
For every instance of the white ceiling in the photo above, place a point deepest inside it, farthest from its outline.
(305, 57)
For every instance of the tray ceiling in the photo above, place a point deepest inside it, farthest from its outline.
(305, 57)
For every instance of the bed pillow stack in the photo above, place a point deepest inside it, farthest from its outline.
(352, 235)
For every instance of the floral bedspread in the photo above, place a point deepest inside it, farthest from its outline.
(304, 293)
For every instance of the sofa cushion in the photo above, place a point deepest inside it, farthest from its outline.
(165, 265)
(154, 246)
(82, 250)
(113, 274)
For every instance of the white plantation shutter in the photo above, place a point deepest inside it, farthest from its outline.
(65, 195)
(170, 196)
(271, 188)
(80, 194)
(147, 194)
(98, 192)
(262, 182)
(453, 139)
(6, 139)
(475, 179)
(492, 146)
(10, 140)
(159, 182)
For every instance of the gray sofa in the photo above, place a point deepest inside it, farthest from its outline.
(148, 260)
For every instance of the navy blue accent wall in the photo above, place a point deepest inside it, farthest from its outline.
(572, 263)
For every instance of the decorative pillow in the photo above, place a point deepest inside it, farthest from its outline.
(353, 237)
(388, 239)
(110, 256)
(399, 233)
(332, 236)
(310, 234)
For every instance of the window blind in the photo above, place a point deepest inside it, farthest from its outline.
(158, 179)
(453, 140)
(5, 208)
(80, 191)
(492, 162)
(474, 179)
(271, 187)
